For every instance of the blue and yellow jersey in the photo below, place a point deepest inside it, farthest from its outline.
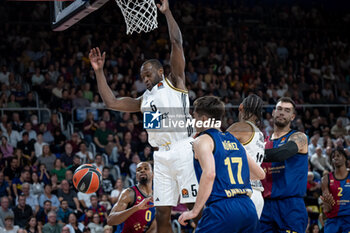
(287, 178)
(231, 167)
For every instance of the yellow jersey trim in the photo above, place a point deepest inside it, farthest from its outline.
(172, 87)
(251, 137)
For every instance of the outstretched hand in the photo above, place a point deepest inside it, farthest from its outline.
(97, 61)
(187, 215)
(164, 7)
(145, 203)
(328, 198)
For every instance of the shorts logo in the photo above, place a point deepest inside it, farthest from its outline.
(157, 199)
(151, 120)
(139, 198)
(184, 193)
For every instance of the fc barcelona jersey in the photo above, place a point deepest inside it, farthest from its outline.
(340, 190)
(141, 220)
(231, 167)
(288, 178)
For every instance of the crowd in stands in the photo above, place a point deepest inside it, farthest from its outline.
(230, 50)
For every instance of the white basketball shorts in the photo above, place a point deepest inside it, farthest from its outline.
(258, 201)
(174, 174)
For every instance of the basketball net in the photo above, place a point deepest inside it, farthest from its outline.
(139, 15)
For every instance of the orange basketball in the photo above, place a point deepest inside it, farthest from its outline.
(87, 178)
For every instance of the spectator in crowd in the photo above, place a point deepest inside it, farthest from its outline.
(39, 144)
(112, 148)
(55, 184)
(32, 226)
(65, 193)
(75, 141)
(47, 158)
(8, 226)
(76, 163)
(52, 226)
(84, 199)
(85, 155)
(5, 148)
(99, 162)
(27, 145)
(12, 171)
(90, 126)
(338, 129)
(320, 162)
(69, 178)
(30, 199)
(12, 135)
(132, 168)
(22, 212)
(100, 137)
(74, 225)
(17, 182)
(16, 122)
(313, 145)
(95, 225)
(49, 196)
(47, 135)
(36, 187)
(59, 141)
(59, 170)
(43, 174)
(63, 212)
(107, 181)
(4, 186)
(96, 208)
(28, 129)
(67, 156)
(105, 202)
(80, 103)
(118, 188)
(42, 215)
(5, 210)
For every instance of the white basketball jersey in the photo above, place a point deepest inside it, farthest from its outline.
(255, 147)
(172, 104)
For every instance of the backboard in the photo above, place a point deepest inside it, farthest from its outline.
(67, 13)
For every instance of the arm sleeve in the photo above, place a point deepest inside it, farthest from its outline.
(281, 153)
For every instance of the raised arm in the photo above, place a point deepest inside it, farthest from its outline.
(120, 214)
(177, 58)
(123, 104)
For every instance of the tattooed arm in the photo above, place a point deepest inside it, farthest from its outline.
(301, 140)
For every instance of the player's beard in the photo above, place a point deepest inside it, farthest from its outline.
(143, 180)
(281, 124)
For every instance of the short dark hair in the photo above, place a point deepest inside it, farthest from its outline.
(252, 106)
(287, 100)
(341, 151)
(154, 62)
(210, 106)
(47, 201)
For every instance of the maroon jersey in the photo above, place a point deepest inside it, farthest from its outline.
(141, 220)
(340, 190)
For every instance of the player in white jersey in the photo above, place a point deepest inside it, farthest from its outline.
(166, 97)
(252, 139)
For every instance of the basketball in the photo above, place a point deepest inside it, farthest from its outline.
(87, 178)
